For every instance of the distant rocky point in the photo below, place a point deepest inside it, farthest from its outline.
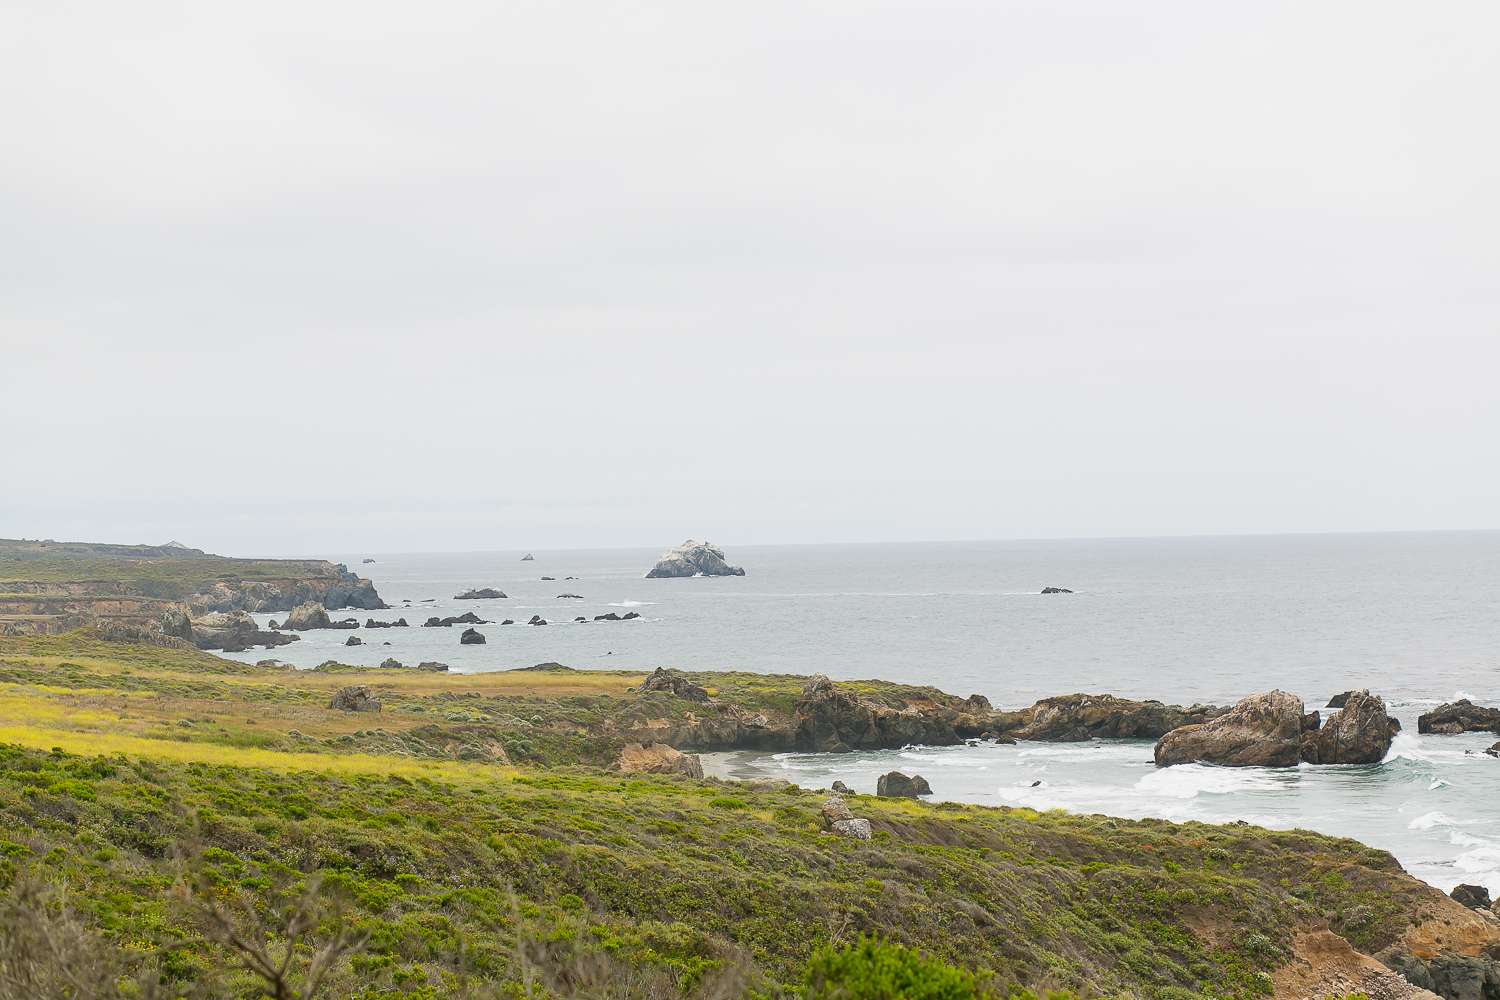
(693, 559)
(482, 594)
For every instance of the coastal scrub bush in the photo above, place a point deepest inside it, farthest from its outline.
(873, 969)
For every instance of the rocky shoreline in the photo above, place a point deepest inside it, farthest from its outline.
(1268, 730)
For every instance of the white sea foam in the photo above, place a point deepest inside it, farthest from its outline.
(1188, 781)
(629, 604)
(1462, 696)
(1429, 820)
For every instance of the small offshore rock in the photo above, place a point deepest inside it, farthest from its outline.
(693, 559)
(1056, 590)
(508, 621)
(482, 594)
(537, 620)
(841, 788)
(549, 578)
(574, 597)
(580, 618)
(354, 640)
(1461, 716)
(854, 829)
(610, 617)
(896, 785)
(355, 699)
(629, 615)
(472, 637)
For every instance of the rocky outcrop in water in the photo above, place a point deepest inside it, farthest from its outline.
(1358, 733)
(471, 637)
(896, 785)
(1461, 716)
(1075, 717)
(693, 559)
(233, 632)
(313, 615)
(467, 618)
(1056, 590)
(482, 594)
(830, 720)
(1263, 730)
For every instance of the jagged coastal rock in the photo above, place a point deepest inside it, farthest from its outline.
(1461, 716)
(313, 615)
(659, 758)
(693, 559)
(471, 637)
(896, 785)
(358, 698)
(1359, 733)
(1262, 730)
(1272, 730)
(674, 683)
(482, 594)
(233, 632)
(1076, 717)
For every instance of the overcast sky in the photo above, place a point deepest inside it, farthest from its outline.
(296, 278)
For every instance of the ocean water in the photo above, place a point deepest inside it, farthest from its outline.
(1413, 617)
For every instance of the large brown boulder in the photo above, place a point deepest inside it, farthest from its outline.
(307, 616)
(658, 758)
(1461, 716)
(1077, 717)
(358, 698)
(1358, 733)
(232, 631)
(1262, 730)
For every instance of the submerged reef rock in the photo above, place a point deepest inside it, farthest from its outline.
(658, 758)
(358, 698)
(896, 785)
(1461, 716)
(1359, 733)
(693, 559)
(1263, 730)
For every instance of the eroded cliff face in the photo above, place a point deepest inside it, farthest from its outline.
(267, 596)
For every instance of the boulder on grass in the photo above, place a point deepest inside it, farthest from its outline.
(854, 829)
(835, 809)
(896, 785)
(658, 758)
(357, 698)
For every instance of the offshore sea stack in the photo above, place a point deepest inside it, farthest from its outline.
(1272, 730)
(1461, 716)
(1359, 733)
(693, 559)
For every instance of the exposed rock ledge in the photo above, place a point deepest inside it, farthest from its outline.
(693, 559)
(1273, 730)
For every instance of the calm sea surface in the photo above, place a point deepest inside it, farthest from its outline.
(1413, 617)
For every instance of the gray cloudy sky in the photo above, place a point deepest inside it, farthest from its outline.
(316, 277)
